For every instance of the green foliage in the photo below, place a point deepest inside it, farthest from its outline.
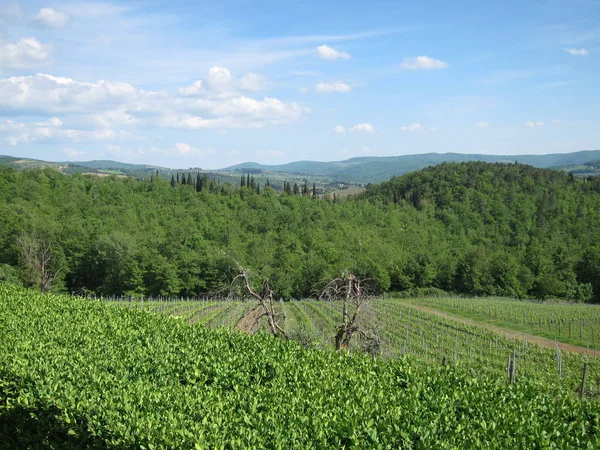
(80, 374)
(471, 228)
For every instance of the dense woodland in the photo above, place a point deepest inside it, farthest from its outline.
(470, 228)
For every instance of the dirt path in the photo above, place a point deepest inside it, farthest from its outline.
(250, 323)
(541, 341)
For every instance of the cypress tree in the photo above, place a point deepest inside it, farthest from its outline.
(177, 179)
(172, 180)
(198, 182)
(314, 190)
(296, 190)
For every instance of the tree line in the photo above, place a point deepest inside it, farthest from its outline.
(469, 228)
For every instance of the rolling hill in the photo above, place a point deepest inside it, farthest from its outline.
(361, 170)
(377, 169)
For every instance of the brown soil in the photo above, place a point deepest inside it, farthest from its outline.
(250, 323)
(541, 341)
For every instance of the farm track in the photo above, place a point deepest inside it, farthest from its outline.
(507, 332)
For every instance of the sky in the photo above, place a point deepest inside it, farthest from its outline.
(211, 84)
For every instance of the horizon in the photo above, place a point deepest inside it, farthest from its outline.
(184, 85)
(208, 169)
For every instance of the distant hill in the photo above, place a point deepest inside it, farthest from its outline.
(377, 169)
(354, 171)
(102, 167)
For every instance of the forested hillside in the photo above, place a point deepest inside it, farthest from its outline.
(471, 228)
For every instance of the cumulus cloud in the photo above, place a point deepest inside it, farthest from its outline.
(413, 127)
(482, 124)
(17, 133)
(577, 51)
(221, 83)
(332, 87)
(219, 78)
(360, 128)
(194, 89)
(253, 82)
(108, 104)
(422, 63)
(50, 18)
(326, 52)
(24, 54)
(44, 93)
(531, 124)
(555, 122)
(113, 118)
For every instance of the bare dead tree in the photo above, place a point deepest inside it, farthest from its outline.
(350, 289)
(265, 298)
(38, 258)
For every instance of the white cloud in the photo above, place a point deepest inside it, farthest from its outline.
(52, 122)
(362, 128)
(577, 51)
(186, 149)
(482, 124)
(50, 18)
(333, 87)
(72, 152)
(219, 78)
(44, 93)
(326, 52)
(531, 124)
(106, 104)
(187, 121)
(25, 54)
(50, 131)
(555, 122)
(366, 150)
(113, 118)
(194, 89)
(274, 153)
(253, 82)
(413, 127)
(422, 63)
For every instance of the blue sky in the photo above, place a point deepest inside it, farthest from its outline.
(206, 84)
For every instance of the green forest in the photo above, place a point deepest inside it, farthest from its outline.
(470, 228)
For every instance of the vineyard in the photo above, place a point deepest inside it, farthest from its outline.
(578, 324)
(77, 373)
(393, 328)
